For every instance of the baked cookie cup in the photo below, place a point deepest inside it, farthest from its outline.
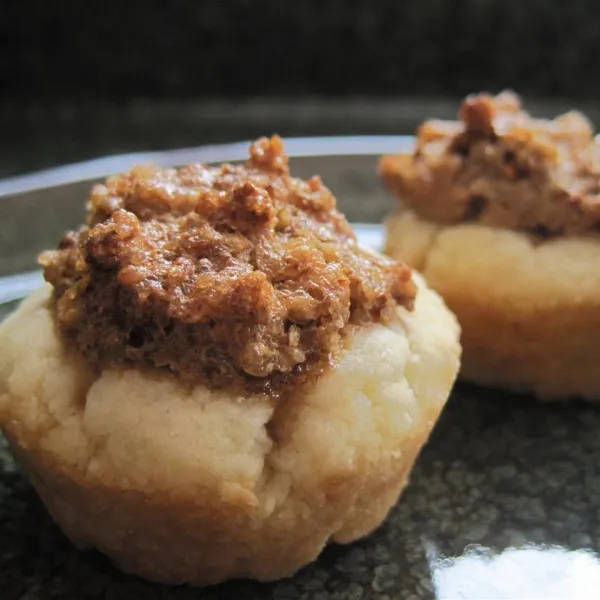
(500, 215)
(529, 312)
(182, 472)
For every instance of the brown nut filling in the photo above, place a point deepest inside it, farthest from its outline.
(498, 166)
(230, 275)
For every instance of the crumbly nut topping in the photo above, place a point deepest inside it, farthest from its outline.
(499, 166)
(229, 275)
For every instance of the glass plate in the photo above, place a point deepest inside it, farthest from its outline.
(503, 501)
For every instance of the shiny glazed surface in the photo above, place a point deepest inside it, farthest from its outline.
(236, 276)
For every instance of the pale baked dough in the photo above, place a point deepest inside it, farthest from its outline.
(529, 312)
(198, 486)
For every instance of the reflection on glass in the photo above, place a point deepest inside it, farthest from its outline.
(526, 573)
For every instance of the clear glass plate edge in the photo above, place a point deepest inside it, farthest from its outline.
(366, 145)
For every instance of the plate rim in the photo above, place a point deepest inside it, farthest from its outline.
(296, 147)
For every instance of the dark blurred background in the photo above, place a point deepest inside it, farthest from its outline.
(82, 79)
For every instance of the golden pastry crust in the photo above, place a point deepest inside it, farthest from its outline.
(529, 312)
(235, 276)
(193, 485)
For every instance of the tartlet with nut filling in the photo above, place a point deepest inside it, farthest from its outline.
(216, 379)
(501, 213)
